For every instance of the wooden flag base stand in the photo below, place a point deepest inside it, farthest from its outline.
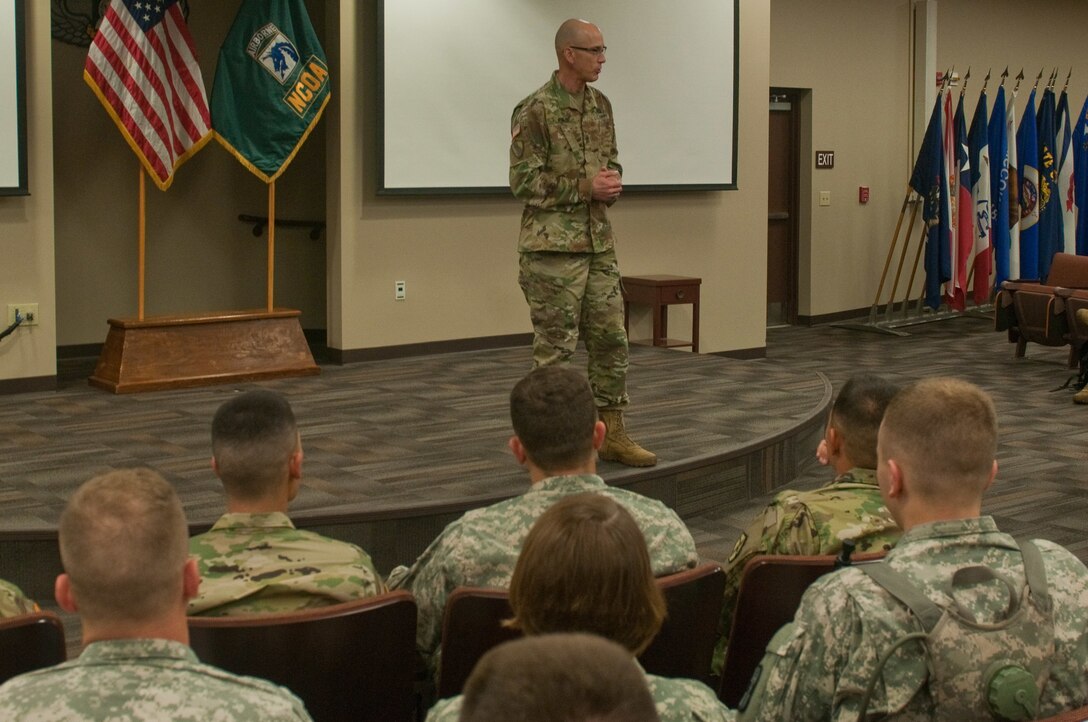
(170, 352)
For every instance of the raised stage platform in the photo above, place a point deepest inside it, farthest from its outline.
(396, 449)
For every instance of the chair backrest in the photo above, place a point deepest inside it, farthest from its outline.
(350, 661)
(471, 625)
(683, 648)
(770, 592)
(1068, 270)
(29, 642)
(685, 645)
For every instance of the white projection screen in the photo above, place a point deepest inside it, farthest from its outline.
(453, 70)
(13, 161)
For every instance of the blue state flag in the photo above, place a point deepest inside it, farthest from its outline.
(999, 188)
(978, 144)
(1027, 156)
(1050, 212)
(927, 181)
(1080, 178)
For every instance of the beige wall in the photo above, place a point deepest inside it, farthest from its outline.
(26, 222)
(855, 58)
(457, 254)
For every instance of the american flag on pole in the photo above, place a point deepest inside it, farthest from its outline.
(143, 68)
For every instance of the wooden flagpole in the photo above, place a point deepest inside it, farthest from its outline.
(271, 240)
(142, 240)
(902, 257)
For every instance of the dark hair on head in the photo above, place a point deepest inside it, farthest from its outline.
(569, 677)
(553, 414)
(584, 567)
(253, 437)
(857, 413)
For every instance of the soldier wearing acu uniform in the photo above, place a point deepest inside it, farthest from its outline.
(818, 521)
(128, 575)
(584, 567)
(13, 602)
(563, 166)
(556, 437)
(936, 453)
(254, 560)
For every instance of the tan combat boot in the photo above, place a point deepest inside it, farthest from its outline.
(618, 446)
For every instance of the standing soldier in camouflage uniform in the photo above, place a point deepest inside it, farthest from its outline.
(556, 437)
(563, 166)
(936, 459)
(584, 567)
(128, 575)
(253, 559)
(13, 602)
(818, 521)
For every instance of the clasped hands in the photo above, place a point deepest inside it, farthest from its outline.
(607, 185)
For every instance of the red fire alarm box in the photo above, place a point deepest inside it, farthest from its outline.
(863, 194)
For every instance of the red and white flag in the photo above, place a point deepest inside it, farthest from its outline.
(143, 68)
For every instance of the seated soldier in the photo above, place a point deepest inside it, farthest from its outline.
(254, 559)
(818, 521)
(556, 437)
(571, 677)
(1007, 624)
(127, 573)
(13, 602)
(584, 567)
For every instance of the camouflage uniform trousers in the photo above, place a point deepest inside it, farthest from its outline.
(677, 700)
(818, 666)
(572, 295)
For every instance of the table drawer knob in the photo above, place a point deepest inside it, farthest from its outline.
(680, 294)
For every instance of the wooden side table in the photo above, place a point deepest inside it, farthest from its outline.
(660, 292)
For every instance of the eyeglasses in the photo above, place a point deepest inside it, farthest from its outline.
(599, 51)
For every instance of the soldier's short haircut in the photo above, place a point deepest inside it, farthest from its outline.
(570, 677)
(569, 33)
(943, 431)
(857, 413)
(584, 567)
(553, 413)
(253, 437)
(124, 544)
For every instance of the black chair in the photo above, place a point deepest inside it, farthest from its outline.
(29, 642)
(350, 661)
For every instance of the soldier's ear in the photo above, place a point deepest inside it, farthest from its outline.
(895, 480)
(834, 442)
(62, 591)
(518, 450)
(191, 580)
(599, 432)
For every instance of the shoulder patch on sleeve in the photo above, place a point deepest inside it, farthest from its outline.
(737, 547)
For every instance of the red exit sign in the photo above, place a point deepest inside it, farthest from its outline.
(825, 159)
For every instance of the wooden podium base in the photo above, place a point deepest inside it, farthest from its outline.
(170, 352)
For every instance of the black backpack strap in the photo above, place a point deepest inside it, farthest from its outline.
(904, 590)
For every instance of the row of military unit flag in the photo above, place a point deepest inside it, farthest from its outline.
(271, 84)
(1000, 200)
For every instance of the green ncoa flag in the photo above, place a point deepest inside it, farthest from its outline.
(271, 85)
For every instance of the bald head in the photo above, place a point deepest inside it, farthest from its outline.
(575, 32)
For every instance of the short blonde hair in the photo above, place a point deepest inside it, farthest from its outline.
(944, 432)
(584, 567)
(124, 544)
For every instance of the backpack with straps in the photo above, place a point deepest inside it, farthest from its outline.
(977, 670)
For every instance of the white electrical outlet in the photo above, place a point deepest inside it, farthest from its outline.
(28, 311)
(825, 198)
(398, 290)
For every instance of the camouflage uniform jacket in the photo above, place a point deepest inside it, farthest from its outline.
(13, 602)
(558, 144)
(810, 523)
(147, 680)
(817, 667)
(481, 548)
(260, 563)
(677, 700)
